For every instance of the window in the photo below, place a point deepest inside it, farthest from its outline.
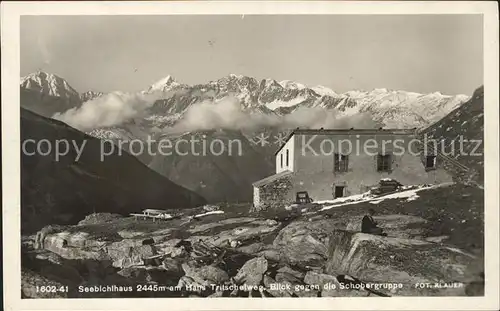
(384, 162)
(281, 159)
(287, 154)
(341, 162)
(430, 162)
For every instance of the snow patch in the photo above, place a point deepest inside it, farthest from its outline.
(164, 84)
(288, 84)
(280, 103)
(409, 195)
(323, 90)
(208, 213)
(355, 197)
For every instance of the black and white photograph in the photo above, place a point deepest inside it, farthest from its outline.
(261, 156)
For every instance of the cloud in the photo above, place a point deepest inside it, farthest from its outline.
(109, 110)
(228, 114)
(116, 108)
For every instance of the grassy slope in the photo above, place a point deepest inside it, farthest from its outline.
(456, 211)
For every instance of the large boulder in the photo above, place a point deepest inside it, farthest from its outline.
(243, 234)
(401, 226)
(130, 252)
(304, 243)
(252, 271)
(74, 246)
(205, 275)
(42, 234)
(378, 259)
(99, 218)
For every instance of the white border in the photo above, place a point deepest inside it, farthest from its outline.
(10, 15)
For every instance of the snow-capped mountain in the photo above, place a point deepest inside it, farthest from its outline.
(52, 85)
(89, 95)
(388, 108)
(394, 109)
(391, 108)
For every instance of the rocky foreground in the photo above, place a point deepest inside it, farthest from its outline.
(434, 247)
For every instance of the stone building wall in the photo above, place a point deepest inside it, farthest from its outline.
(276, 194)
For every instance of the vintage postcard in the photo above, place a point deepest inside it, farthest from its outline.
(250, 155)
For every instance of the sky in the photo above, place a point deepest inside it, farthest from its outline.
(419, 53)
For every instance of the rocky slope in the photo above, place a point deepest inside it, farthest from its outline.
(44, 104)
(64, 189)
(89, 95)
(224, 177)
(467, 123)
(317, 252)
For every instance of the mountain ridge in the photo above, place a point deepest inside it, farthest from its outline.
(269, 93)
(267, 97)
(65, 190)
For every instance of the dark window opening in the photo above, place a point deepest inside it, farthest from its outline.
(384, 162)
(302, 197)
(287, 154)
(338, 192)
(341, 163)
(430, 162)
(281, 159)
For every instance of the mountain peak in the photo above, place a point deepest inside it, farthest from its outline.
(270, 83)
(164, 84)
(50, 84)
(165, 80)
(232, 75)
